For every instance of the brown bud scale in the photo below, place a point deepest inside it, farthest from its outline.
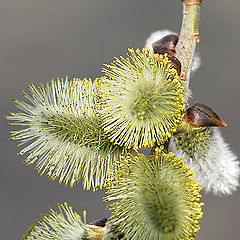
(166, 45)
(202, 115)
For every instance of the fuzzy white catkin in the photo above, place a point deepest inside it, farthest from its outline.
(218, 171)
(155, 36)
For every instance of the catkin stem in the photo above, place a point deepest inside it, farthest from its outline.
(189, 36)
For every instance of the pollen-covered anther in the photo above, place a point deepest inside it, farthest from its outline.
(154, 198)
(140, 92)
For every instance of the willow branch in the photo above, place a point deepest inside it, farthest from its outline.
(189, 36)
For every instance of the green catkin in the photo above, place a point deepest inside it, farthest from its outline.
(155, 198)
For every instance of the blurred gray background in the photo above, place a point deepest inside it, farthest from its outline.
(41, 39)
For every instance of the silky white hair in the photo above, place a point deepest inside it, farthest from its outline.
(218, 171)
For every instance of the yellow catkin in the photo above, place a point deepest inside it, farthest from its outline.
(143, 92)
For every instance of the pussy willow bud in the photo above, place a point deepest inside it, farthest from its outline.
(205, 151)
(154, 198)
(209, 156)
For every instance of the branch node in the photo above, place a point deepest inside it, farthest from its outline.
(193, 2)
(197, 37)
(183, 76)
